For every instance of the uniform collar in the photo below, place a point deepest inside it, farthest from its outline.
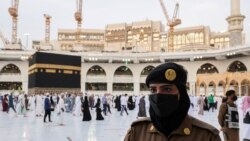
(184, 129)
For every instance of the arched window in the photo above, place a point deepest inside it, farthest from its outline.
(147, 70)
(221, 84)
(123, 70)
(207, 68)
(10, 68)
(211, 88)
(237, 66)
(96, 70)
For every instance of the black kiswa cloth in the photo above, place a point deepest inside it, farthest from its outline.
(49, 70)
(58, 59)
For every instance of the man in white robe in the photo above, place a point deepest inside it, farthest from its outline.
(78, 104)
(61, 110)
(39, 105)
(21, 110)
(19, 104)
(201, 103)
(32, 102)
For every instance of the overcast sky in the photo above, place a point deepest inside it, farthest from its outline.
(98, 13)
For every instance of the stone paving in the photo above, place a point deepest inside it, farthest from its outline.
(113, 128)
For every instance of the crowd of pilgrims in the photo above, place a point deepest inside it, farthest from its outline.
(77, 104)
(81, 104)
(205, 103)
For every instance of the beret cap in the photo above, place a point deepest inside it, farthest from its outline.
(170, 73)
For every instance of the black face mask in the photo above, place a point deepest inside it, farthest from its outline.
(164, 105)
(234, 98)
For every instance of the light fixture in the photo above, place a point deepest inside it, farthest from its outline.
(198, 57)
(126, 60)
(149, 59)
(231, 53)
(93, 59)
(24, 57)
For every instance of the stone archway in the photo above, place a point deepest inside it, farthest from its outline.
(122, 79)
(11, 78)
(204, 72)
(96, 77)
(234, 85)
(203, 88)
(211, 88)
(245, 84)
(221, 88)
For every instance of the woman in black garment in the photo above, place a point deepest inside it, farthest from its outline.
(85, 110)
(98, 110)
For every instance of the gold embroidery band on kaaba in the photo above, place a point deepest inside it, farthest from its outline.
(68, 72)
(51, 68)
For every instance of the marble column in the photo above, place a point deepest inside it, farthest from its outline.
(239, 88)
(109, 87)
(192, 88)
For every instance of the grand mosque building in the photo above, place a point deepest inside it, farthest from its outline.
(117, 59)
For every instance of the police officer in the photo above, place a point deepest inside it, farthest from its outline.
(228, 117)
(169, 105)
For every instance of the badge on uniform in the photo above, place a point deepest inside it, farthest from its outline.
(170, 74)
(187, 131)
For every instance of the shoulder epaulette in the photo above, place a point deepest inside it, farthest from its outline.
(141, 120)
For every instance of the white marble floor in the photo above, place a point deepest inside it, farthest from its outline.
(113, 128)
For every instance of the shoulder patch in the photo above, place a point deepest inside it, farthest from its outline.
(141, 120)
(204, 125)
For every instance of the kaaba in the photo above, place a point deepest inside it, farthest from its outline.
(54, 73)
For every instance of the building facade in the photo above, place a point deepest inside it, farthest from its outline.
(151, 36)
(210, 72)
(140, 36)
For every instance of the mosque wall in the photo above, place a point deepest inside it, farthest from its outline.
(191, 67)
(135, 80)
(15, 77)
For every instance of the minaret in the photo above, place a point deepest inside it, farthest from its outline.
(235, 24)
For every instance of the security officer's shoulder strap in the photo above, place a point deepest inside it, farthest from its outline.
(141, 121)
(224, 105)
(204, 125)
